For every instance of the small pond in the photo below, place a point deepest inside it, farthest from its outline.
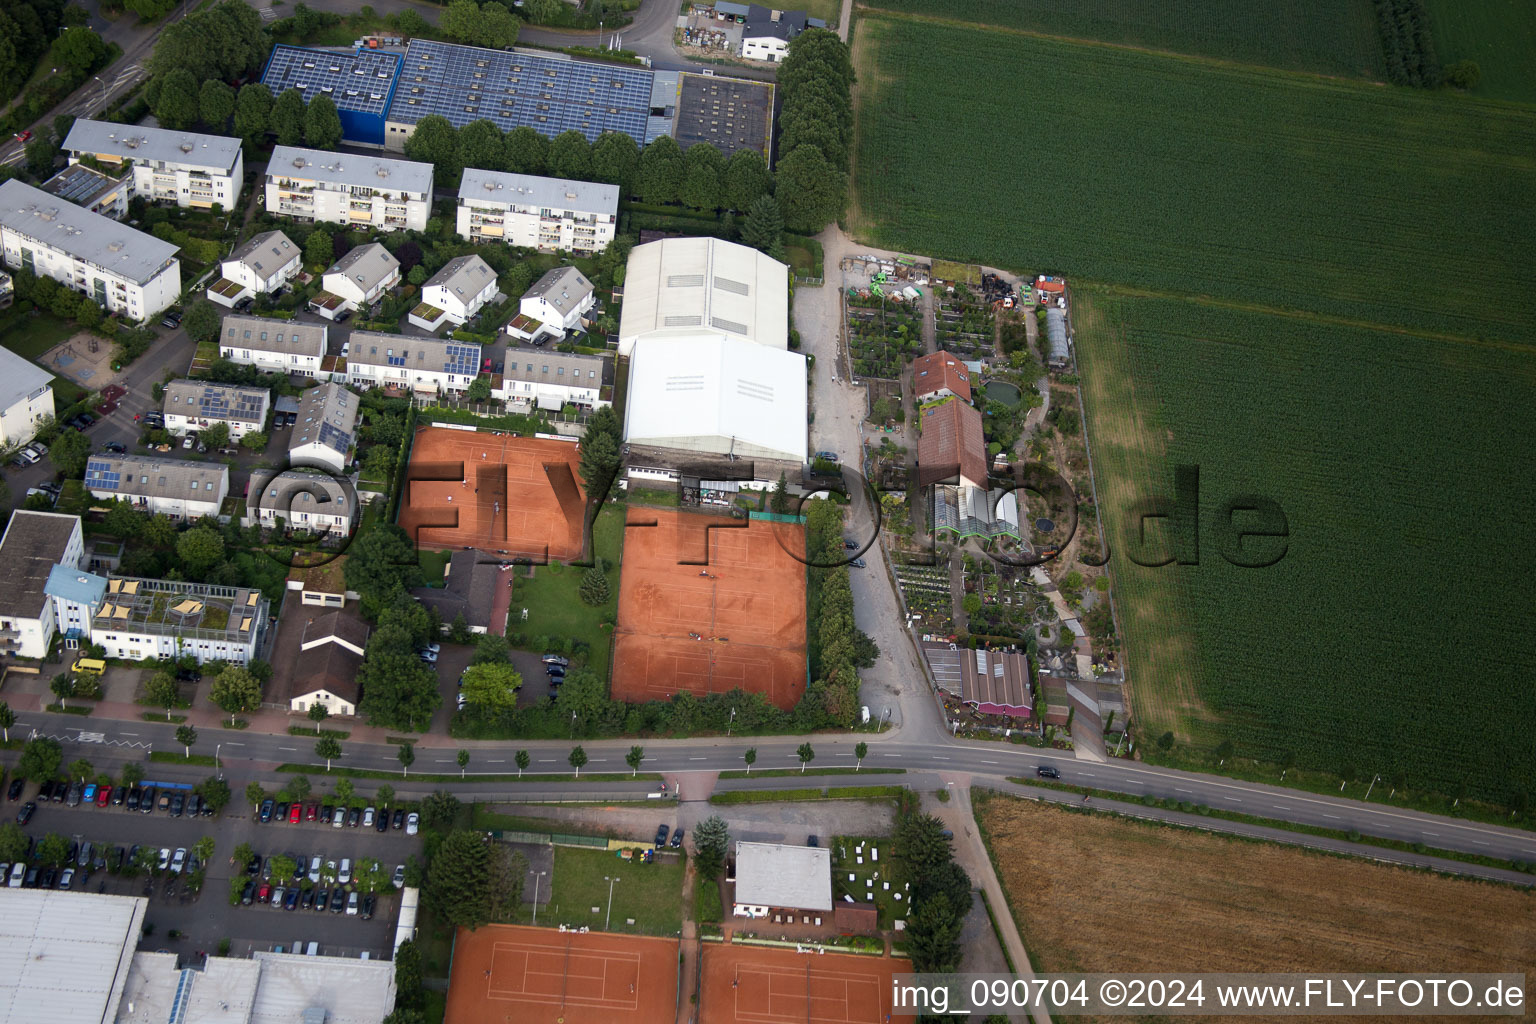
(1004, 392)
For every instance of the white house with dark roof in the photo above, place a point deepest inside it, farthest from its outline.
(26, 397)
(178, 488)
(358, 279)
(555, 304)
(261, 266)
(346, 188)
(276, 346)
(550, 380)
(455, 293)
(767, 33)
(124, 271)
(326, 428)
(33, 543)
(305, 500)
(415, 365)
(536, 212)
(195, 404)
(185, 168)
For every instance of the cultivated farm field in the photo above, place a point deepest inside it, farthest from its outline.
(1381, 640)
(1356, 201)
(1498, 34)
(1335, 37)
(1097, 893)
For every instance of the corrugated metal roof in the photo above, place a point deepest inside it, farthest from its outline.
(64, 956)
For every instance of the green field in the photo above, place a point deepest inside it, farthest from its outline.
(651, 894)
(555, 608)
(1335, 37)
(1383, 640)
(1499, 34)
(1359, 202)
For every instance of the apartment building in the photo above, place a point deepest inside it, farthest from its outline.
(344, 188)
(185, 168)
(195, 404)
(91, 190)
(126, 272)
(144, 618)
(276, 346)
(34, 542)
(537, 212)
(417, 366)
(178, 488)
(26, 397)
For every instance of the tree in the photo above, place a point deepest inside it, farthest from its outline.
(594, 586)
(14, 844)
(459, 880)
(40, 760)
(215, 104)
(235, 690)
(287, 118)
(253, 440)
(7, 719)
(133, 773)
(1165, 741)
(971, 603)
(52, 849)
(202, 321)
(463, 759)
(318, 713)
(407, 756)
(90, 314)
(215, 436)
(578, 758)
(63, 687)
(712, 839)
(299, 788)
(806, 755)
(80, 50)
(634, 758)
(490, 688)
(763, 228)
(1463, 74)
(224, 41)
(176, 105)
(385, 795)
(409, 992)
(525, 150)
(810, 191)
(203, 849)
(40, 156)
(439, 809)
(860, 750)
(283, 867)
(570, 156)
(186, 735)
(704, 168)
(615, 159)
(199, 550)
(215, 793)
(254, 795)
(661, 171)
(1223, 751)
(746, 179)
(317, 249)
(490, 649)
(479, 389)
(81, 769)
(253, 108)
(522, 760)
(329, 748)
(933, 937)
(779, 503)
(322, 124)
(750, 756)
(380, 563)
(541, 11)
(482, 145)
(344, 790)
(490, 25)
(921, 844)
(69, 452)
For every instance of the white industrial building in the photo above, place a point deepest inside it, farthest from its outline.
(455, 293)
(185, 168)
(26, 397)
(536, 212)
(775, 878)
(33, 543)
(557, 303)
(358, 279)
(263, 265)
(65, 956)
(305, 500)
(325, 431)
(276, 346)
(344, 188)
(124, 271)
(415, 365)
(550, 380)
(196, 404)
(178, 488)
(704, 287)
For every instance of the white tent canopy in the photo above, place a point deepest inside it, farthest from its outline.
(704, 287)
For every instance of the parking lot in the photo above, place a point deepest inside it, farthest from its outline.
(203, 919)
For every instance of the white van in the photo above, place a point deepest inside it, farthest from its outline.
(313, 950)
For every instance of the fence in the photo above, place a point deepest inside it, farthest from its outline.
(556, 839)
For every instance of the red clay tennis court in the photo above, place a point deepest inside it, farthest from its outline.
(521, 975)
(758, 985)
(732, 614)
(495, 492)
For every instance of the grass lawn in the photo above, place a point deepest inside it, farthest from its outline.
(554, 608)
(708, 908)
(31, 336)
(651, 894)
(845, 861)
(433, 565)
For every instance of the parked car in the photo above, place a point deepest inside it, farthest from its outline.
(47, 879)
(555, 659)
(661, 835)
(291, 900)
(428, 656)
(338, 900)
(103, 796)
(314, 868)
(677, 839)
(163, 804)
(133, 798)
(171, 319)
(24, 135)
(179, 860)
(248, 893)
(812, 841)
(194, 805)
(308, 899)
(352, 904)
(354, 816)
(381, 823)
(14, 793)
(254, 867)
(119, 795)
(264, 894)
(115, 447)
(368, 902)
(322, 897)
(325, 813)
(344, 872)
(18, 874)
(75, 790)
(398, 878)
(311, 810)
(397, 820)
(178, 804)
(412, 820)
(60, 791)
(165, 859)
(368, 815)
(339, 818)
(295, 812)
(67, 879)
(1045, 771)
(25, 814)
(84, 856)
(188, 441)
(857, 563)
(266, 810)
(45, 792)
(280, 813)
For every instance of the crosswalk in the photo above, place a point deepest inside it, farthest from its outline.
(267, 13)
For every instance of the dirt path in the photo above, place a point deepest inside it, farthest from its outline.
(688, 971)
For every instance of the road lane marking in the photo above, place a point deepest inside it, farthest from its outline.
(291, 750)
(1176, 789)
(989, 762)
(698, 759)
(1335, 817)
(497, 761)
(937, 757)
(129, 734)
(234, 743)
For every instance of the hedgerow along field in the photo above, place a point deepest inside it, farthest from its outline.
(1335, 37)
(1403, 207)
(1396, 634)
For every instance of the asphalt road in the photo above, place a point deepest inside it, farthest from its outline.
(245, 755)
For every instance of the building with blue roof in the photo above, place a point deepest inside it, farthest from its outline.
(77, 596)
(360, 83)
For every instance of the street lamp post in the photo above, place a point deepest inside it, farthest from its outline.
(609, 916)
(1374, 779)
(103, 88)
(573, 725)
(217, 764)
(730, 723)
(536, 878)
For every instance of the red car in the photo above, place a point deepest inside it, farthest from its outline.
(295, 812)
(264, 894)
(25, 136)
(311, 812)
(103, 796)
